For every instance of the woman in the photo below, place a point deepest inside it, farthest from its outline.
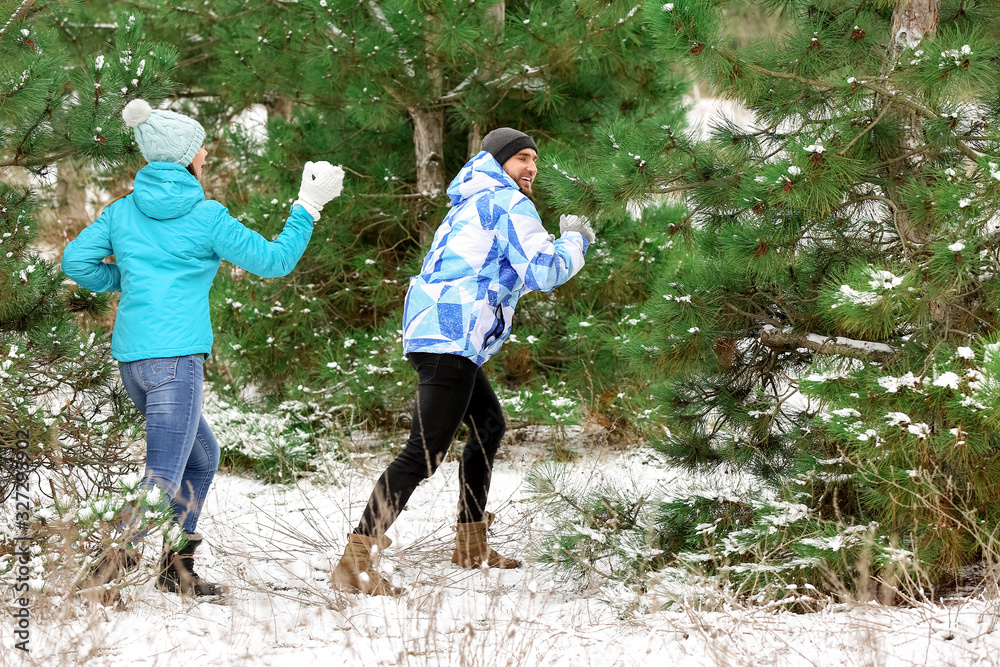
(488, 251)
(168, 242)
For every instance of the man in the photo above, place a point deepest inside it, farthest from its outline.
(490, 249)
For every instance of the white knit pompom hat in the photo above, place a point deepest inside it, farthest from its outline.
(162, 135)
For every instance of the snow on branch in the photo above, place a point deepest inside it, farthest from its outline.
(381, 18)
(529, 82)
(846, 347)
(13, 16)
(335, 31)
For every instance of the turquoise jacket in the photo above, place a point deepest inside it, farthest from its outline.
(168, 242)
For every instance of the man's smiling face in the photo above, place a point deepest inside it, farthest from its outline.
(523, 167)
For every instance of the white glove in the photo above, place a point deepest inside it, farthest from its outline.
(576, 223)
(321, 182)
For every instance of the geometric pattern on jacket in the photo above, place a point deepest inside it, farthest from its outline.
(490, 249)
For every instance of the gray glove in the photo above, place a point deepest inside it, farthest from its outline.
(576, 223)
(321, 182)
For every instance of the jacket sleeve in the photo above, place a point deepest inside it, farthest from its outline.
(83, 259)
(541, 262)
(248, 250)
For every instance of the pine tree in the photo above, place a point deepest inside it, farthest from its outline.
(58, 383)
(826, 320)
(401, 94)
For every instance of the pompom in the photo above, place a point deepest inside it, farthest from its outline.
(135, 112)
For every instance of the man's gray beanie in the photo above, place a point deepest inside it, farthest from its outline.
(504, 143)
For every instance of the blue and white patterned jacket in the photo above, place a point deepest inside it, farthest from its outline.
(489, 250)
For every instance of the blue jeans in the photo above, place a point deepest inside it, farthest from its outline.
(182, 455)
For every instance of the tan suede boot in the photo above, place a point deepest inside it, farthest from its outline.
(471, 550)
(356, 573)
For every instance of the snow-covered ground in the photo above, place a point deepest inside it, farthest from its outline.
(274, 545)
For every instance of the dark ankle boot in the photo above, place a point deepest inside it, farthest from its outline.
(111, 567)
(177, 573)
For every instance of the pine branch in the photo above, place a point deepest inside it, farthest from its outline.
(880, 90)
(510, 80)
(686, 186)
(413, 195)
(885, 109)
(22, 9)
(380, 17)
(780, 341)
(825, 85)
(902, 99)
(770, 322)
(36, 161)
(211, 17)
(908, 154)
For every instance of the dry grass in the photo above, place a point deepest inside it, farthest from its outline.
(276, 545)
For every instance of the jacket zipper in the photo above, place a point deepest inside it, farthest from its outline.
(497, 328)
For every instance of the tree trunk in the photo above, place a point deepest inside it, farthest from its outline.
(428, 143)
(428, 135)
(912, 21)
(279, 107)
(475, 139)
(494, 24)
(495, 16)
(71, 192)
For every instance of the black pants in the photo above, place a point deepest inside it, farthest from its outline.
(452, 390)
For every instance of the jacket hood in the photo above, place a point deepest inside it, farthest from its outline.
(480, 173)
(164, 190)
